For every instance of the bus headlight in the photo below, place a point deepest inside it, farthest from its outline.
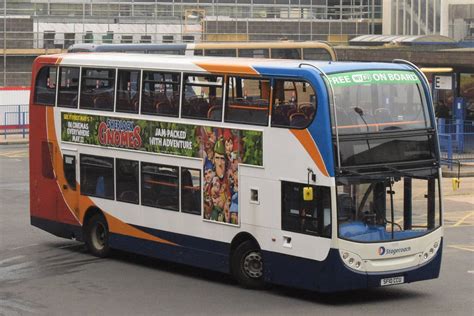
(352, 260)
(430, 251)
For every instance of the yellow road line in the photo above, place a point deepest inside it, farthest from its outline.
(463, 219)
(13, 152)
(463, 247)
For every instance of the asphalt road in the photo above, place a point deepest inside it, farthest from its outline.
(41, 274)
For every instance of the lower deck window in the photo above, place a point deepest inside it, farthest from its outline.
(191, 191)
(306, 217)
(97, 176)
(127, 181)
(160, 186)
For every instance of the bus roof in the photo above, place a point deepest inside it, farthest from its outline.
(208, 64)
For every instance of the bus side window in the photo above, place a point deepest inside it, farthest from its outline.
(97, 89)
(254, 53)
(45, 86)
(97, 176)
(306, 217)
(128, 87)
(69, 166)
(191, 191)
(286, 53)
(68, 87)
(160, 186)
(294, 104)
(247, 100)
(316, 54)
(202, 97)
(220, 52)
(127, 180)
(160, 93)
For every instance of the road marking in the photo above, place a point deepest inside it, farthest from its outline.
(10, 259)
(463, 219)
(21, 247)
(15, 154)
(463, 247)
(472, 272)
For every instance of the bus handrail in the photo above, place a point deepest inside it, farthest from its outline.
(334, 106)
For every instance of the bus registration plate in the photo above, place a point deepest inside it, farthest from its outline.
(392, 281)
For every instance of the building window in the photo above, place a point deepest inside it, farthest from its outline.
(160, 186)
(247, 101)
(97, 176)
(68, 87)
(97, 89)
(294, 104)
(191, 191)
(45, 86)
(127, 180)
(202, 97)
(128, 91)
(306, 217)
(160, 93)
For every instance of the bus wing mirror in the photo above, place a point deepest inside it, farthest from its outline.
(308, 193)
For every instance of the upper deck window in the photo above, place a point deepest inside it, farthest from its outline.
(97, 89)
(128, 91)
(68, 87)
(45, 86)
(378, 101)
(294, 104)
(160, 93)
(247, 100)
(202, 97)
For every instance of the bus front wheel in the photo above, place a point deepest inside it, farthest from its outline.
(97, 236)
(247, 265)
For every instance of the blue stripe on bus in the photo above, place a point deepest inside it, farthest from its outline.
(320, 128)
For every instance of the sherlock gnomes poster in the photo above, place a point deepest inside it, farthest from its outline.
(221, 150)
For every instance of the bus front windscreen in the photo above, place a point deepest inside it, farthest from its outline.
(378, 101)
(387, 208)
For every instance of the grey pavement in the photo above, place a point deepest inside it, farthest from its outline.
(41, 274)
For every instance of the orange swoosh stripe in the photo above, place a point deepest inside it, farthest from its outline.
(231, 68)
(308, 143)
(84, 202)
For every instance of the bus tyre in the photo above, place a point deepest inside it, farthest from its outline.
(97, 236)
(247, 265)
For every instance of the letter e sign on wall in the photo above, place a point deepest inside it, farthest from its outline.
(443, 82)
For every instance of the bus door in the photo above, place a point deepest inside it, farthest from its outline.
(68, 185)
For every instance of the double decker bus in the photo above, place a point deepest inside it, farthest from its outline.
(317, 175)
(308, 50)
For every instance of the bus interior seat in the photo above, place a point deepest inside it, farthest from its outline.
(215, 113)
(298, 120)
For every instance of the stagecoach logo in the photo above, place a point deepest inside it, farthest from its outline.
(392, 251)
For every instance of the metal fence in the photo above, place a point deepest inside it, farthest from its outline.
(456, 139)
(15, 120)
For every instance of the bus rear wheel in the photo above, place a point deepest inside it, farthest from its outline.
(97, 236)
(247, 265)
